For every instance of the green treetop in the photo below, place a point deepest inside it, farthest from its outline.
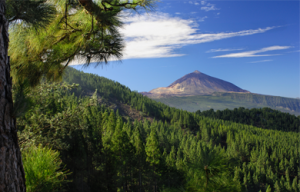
(152, 148)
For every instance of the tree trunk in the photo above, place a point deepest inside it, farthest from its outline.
(12, 176)
(140, 179)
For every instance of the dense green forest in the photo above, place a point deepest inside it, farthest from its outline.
(264, 118)
(169, 150)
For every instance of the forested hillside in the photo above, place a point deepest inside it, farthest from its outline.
(175, 150)
(264, 118)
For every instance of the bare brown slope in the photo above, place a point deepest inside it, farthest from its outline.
(196, 83)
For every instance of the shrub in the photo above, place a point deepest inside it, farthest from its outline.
(43, 169)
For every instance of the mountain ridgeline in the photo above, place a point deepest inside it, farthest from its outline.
(222, 101)
(113, 139)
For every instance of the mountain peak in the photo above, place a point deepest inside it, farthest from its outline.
(197, 83)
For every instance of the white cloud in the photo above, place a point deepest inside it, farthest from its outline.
(203, 38)
(218, 13)
(220, 50)
(209, 7)
(253, 53)
(267, 60)
(201, 19)
(157, 35)
(203, 2)
(193, 3)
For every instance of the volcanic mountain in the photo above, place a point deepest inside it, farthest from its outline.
(195, 83)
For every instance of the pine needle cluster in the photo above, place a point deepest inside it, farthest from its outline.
(47, 35)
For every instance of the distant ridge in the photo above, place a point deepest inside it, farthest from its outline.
(195, 83)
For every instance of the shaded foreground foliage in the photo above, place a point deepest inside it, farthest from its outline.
(177, 151)
(43, 170)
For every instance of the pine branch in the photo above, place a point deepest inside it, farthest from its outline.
(92, 8)
(35, 13)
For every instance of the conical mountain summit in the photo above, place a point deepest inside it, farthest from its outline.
(195, 83)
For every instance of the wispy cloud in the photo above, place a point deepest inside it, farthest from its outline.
(203, 38)
(294, 51)
(158, 35)
(201, 19)
(267, 60)
(194, 3)
(209, 7)
(220, 50)
(177, 13)
(253, 53)
(203, 2)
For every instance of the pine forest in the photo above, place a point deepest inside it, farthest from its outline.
(109, 138)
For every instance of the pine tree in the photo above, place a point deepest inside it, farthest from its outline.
(10, 156)
(153, 155)
(212, 172)
(140, 154)
(277, 186)
(294, 185)
(123, 152)
(15, 178)
(288, 182)
(245, 181)
(109, 129)
(36, 54)
(89, 33)
(236, 175)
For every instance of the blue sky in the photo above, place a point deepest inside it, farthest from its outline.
(252, 44)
